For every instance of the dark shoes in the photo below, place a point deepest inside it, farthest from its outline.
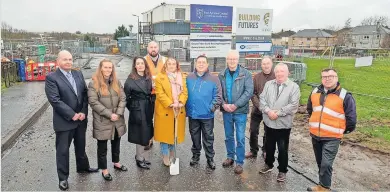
(63, 185)
(194, 161)
(121, 168)
(107, 177)
(238, 169)
(89, 170)
(211, 164)
(227, 163)
(142, 164)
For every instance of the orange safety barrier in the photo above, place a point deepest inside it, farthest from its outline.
(39, 71)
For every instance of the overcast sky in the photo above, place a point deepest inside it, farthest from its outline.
(104, 16)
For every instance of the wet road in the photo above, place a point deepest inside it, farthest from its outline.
(30, 165)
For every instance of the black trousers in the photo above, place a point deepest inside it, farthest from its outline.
(281, 137)
(256, 119)
(202, 128)
(102, 151)
(63, 141)
(325, 152)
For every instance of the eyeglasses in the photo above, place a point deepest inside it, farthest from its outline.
(328, 77)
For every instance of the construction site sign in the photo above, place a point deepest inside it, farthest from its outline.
(253, 30)
(210, 30)
(41, 50)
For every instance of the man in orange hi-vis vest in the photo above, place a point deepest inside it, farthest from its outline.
(332, 113)
(155, 62)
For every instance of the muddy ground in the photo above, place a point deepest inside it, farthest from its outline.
(357, 166)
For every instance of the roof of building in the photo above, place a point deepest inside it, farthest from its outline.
(162, 4)
(282, 34)
(312, 33)
(369, 29)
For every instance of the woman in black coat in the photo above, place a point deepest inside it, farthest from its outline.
(138, 88)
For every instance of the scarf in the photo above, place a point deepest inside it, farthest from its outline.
(177, 85)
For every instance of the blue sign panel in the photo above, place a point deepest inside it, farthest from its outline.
(211, 19)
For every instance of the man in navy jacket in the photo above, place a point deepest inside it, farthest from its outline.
(67, 93)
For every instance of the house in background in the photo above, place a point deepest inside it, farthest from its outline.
(281, 38)
(367, 37)
(311, 39)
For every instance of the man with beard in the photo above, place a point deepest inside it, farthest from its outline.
(155, 62)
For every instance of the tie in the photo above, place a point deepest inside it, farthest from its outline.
(72, 81)
(277, 93)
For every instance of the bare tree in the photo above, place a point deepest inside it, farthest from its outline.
(373, 20)
(386, 41)
(348, 23)
(332, 27)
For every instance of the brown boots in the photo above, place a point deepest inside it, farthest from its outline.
(318, 188)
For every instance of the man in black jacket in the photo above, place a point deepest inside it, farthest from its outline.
(67, 93)
(332, 111)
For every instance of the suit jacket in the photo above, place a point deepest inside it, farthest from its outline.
(64, 100)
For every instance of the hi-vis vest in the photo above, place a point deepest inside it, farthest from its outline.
(155, 70)
(328, 120)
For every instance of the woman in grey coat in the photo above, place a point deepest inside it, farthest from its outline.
(108, 102)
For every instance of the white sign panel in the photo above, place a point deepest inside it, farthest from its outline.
(220, 36)
(251, 21)
(363, 61)
(253, 47)
(209, 48)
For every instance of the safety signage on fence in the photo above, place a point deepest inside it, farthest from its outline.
(211, 30)
(253, 30)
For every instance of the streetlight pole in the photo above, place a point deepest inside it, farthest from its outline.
(138, 24)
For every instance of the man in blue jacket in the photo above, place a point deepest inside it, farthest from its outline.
(237, 89)
(204, 97)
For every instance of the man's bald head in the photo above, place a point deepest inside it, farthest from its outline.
(153, 49)
(63, 52)
(65, 60)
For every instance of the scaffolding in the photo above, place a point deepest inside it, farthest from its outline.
(75, 47)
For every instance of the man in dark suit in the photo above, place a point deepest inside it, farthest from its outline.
(67, 93)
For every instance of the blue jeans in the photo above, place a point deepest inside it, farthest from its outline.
(238, 121)
(165, 148)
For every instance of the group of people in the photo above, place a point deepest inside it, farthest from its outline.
(159, 95)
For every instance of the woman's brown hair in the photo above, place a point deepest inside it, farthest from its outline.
(134, 75)
(164, 68)
(99, 82)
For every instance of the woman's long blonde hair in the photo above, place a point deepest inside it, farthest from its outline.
(164, 68)
(99, 82)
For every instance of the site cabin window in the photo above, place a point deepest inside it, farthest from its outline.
(180, 13)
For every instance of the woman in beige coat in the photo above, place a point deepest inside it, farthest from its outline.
(108, 102)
